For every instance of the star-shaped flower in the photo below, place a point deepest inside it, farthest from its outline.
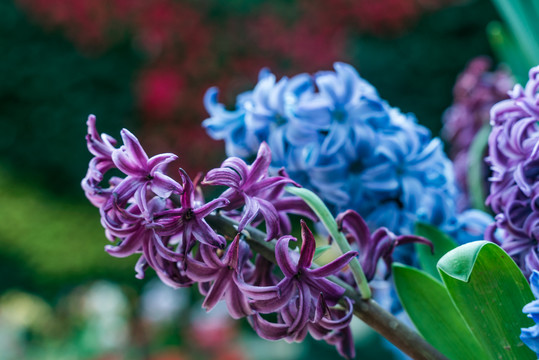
(143, 172)
(251, 186)
(188, 220)
(225, 277)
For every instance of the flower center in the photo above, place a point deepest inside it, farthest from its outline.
(189, 214)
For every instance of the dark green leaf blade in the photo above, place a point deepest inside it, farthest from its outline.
(489, 290)
(432, 311)
(442, 244)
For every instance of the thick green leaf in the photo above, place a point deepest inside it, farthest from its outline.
(428, 304)
(505, 47)
(442, 244)
(522, 23)
(489, 290)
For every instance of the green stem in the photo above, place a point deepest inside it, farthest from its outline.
(323, 213)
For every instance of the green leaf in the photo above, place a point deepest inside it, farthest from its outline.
(476, 166)
(489, 290)
(521, 22)
(432, 311)
(503, 44)
(442, 244)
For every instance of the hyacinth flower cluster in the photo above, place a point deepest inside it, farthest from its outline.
(514, 162)
(477, 89)
(174, 231)
(334, 135)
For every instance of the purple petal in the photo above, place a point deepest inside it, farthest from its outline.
(135, 150)
(232, 255)
(237, 303)
(332, 292)
(334, 266)
(158, 163)
(222, 176)
(250, 212)
(342, 322)
(286, 291)
(128, 246)
(258, 292)
(260, 166)
(206, 209)
(352, 223)
(218, 289)
(304, 308)
(206, 235)
(199, 271)
(308, 247)
(282, 256)
(163, 185)
(271, 218)
(267, 330)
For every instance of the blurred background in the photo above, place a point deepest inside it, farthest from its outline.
(145, 65)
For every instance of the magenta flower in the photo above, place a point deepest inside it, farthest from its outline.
(137, 232)
(299, 289)
(251, 187)
(379, 245)
(143, 172)
(188, 220)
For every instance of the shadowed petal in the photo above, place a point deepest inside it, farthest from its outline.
(308, 247)
(282, 255)
(218, 289)
(334, 266)
(267, 330)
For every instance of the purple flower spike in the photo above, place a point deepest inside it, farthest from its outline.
(189, 219)
(142, 171)
(379, 245)
(514, 161)
(252, 187)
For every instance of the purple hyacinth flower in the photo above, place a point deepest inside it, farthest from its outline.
(188, 220)
(136, 229)
(300, 286)
(379, 245)
(142, 171)
(225, 277)
(474, 94)
(514, 160)
(324, 323)
(252, 187)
